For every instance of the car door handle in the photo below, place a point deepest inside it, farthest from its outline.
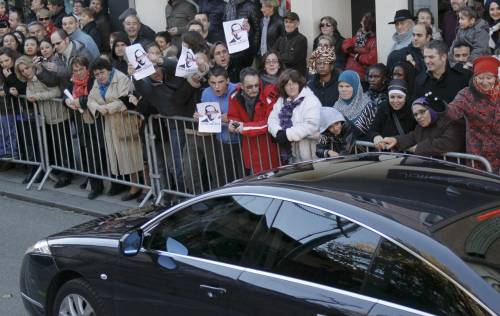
(213, 291)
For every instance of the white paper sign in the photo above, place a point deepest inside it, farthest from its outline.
(236, 36)
(138, 57)
(210, 120)
(186, 65)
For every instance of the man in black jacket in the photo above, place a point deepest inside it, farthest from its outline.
(292, 46)
(413, 53)
(271, 25)
(88, 25)
(56, 9)
(443, 81)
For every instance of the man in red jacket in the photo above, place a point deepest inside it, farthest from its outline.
(249, 107)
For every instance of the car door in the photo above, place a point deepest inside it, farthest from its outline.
(190, 260)
(309, 262)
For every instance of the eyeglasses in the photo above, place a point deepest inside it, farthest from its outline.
(322, 63)
(272, 61)
(43, 19)
(325, 24)
(252, 86)
(419, 113)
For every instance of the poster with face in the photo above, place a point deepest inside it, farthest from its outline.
(138, 57)
(186, 65)
(236, 36)
(210, 120)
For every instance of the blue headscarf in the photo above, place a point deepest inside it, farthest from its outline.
(352, 78)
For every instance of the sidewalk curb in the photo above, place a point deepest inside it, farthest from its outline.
(32, 200)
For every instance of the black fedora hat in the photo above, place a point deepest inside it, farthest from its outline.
(402, 15)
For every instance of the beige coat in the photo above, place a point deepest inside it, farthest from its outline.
(53, 111)
(121, 130)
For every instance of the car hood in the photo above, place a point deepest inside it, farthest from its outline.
(112, 226)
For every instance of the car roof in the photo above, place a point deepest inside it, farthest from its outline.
(418, 192)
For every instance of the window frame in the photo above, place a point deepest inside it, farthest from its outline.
(155, 221)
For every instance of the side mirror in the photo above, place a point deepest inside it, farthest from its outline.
(130, 243)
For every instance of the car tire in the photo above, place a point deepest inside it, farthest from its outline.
(75, 298)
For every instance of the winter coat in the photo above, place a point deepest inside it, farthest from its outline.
(342, 144)
(87, 41)
(401, 40)
(92, 31)
(483, 128)
(444, 88)
(305, 125)
(121, 132)
(450, 25)
(275, 30)
(328, 93)
(440, 137)
(361, 59)
(12, 103)
(53, 111)
(400, 55)
(477, 36)
(103, 23)
(384, 124)
(87, 117)
(340, 56)
(292, 48)
(214, 9)
(178, 14)
(259, 151)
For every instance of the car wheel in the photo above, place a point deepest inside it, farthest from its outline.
(77, 298)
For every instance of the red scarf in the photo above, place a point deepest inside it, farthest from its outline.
(80, 86)
(492, 93)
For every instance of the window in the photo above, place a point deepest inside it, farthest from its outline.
(217, 229)
(320, 247)
(399, 277)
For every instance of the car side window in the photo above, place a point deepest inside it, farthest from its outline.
(399, 277)
(317, 246)
(216, 229)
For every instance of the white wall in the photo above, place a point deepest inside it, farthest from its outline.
(384, 13)
(310, 12)
(152, 13)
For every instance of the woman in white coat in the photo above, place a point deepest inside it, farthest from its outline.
(294, 120)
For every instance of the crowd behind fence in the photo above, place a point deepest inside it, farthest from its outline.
(160, 155)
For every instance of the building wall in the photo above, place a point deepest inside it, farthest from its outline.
(151, 13)
(384, 13)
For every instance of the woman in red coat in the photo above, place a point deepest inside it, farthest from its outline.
(249, 108)
(479, 103)
(362, 48)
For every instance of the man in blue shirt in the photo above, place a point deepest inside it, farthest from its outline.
(226, 151)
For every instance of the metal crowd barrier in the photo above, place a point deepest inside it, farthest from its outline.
(187, 162)
(107, 148)
(163, 155)
(20, 135)
(459, 158)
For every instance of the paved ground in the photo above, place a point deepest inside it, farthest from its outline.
(21, 226)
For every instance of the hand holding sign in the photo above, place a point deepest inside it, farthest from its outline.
(236, 35)
(139, 60)
(209, 118)
(186, 66)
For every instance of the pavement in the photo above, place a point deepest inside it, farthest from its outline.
(70, 198)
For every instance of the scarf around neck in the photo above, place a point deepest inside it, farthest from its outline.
(492, 94)
(80, 86)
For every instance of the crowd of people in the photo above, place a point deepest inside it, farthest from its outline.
(437, 92)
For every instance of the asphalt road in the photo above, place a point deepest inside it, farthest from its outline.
(21, 225)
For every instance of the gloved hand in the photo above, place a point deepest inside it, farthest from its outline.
(281, 138)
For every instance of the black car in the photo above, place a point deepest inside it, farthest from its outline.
(372, 234)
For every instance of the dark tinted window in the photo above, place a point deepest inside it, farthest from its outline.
(217, 229)
(318, 246)
(399, 277)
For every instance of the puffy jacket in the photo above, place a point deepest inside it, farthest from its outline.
(292, 48)
(305, 125)
(366, 56)
(275, 29)
(477, 36)
(259, 151)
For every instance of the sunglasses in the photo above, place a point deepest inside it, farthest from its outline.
(44, 19)
(325, 24)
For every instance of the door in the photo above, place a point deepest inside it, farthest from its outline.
(190, 261)
(310, 262)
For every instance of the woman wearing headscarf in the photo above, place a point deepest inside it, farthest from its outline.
(435, 133)
(294, 120)
(395, 118)
(405, 71)
(355, 105)
(323, 81)
(328, 26)
(479, 103)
